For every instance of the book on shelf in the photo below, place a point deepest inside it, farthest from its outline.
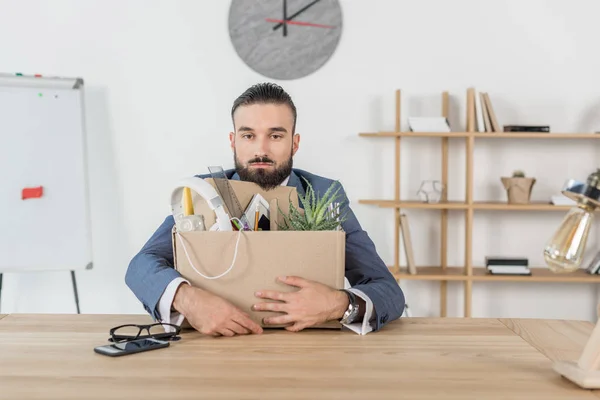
(527, 128)
(479, 112)
(487, 122)
(407, 241)
(498, 260)
(507, 265)
(492, 114)
(481, 108)
(509, 270)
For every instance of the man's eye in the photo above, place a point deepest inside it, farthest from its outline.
(276, 136)
(247, 136)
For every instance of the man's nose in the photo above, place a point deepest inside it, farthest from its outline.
(261, 147)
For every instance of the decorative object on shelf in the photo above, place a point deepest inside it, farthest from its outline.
(564, 251)
(285, 39)
(431, 191)
(518, 187)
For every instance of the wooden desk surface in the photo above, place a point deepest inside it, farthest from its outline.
(51, 357)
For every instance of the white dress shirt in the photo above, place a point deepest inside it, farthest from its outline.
(173, 317)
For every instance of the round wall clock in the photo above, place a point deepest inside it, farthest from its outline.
(285, 39)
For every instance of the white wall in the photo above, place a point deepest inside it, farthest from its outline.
(161, 77)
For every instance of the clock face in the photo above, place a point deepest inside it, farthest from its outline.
(285, 39)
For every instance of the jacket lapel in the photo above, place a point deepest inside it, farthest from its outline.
(294, 181)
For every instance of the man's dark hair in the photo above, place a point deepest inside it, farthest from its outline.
(265, 93)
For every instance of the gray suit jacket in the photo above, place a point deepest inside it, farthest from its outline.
(151, 270)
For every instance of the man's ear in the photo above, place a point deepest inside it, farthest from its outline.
(295, 143)
(232, 140)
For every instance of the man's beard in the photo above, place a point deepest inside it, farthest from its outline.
(265, 179)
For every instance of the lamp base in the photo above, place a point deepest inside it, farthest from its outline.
(583, 378)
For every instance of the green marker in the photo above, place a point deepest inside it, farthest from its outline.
(19, 74)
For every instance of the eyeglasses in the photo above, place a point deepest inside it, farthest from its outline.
(126, 333)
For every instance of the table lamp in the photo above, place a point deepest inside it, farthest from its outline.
(564, 253)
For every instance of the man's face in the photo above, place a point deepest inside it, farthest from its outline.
(263, 143)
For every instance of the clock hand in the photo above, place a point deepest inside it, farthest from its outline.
(285, 17)
(306, 7)
(299, 23)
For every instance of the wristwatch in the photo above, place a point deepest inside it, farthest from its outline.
(352, 311)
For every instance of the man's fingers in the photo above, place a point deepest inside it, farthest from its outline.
(279, 307)
(237, 328)
(272, 294)
(294, 281)
(279, 320)
(226, 332)
(296, 327)
(245, 321)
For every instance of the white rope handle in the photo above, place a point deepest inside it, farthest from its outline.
(200, 273)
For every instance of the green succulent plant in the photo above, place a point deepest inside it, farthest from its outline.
(317, 216)
(518, 174)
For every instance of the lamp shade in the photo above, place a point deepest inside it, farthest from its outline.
(564, 251)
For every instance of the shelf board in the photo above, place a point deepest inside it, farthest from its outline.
(535, 135)
(414, 134)
(458, 205)
(431, 274)
(533, 206)
(480, 274)
(540, 274)
(492, 135)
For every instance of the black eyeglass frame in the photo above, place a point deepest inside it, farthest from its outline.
(171, 336)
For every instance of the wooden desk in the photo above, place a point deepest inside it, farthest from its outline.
(51, 357)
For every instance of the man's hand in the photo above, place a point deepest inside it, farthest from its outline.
(313, 304)
(212, 315)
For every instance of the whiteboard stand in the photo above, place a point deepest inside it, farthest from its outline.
(43, 147)
(73, 279)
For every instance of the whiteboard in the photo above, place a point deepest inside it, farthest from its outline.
(43, 144)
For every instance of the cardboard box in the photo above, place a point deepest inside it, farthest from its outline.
(261, 256)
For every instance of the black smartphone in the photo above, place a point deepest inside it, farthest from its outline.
(134, 346)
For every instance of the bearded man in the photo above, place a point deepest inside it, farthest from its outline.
(264, 142)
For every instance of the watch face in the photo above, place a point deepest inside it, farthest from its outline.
(350, 315)
(285, 39)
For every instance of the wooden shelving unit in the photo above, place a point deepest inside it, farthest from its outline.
(467, 273)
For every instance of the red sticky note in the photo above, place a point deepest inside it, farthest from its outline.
(32, 193)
